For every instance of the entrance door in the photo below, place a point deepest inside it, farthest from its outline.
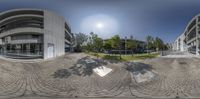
(50, 53)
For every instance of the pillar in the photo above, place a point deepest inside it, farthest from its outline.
(197, 38)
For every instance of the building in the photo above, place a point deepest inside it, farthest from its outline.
(189, 39)
(140, 48)
(179, 44)
(34, 33)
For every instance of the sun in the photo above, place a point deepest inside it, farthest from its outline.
(99, 25)
(103, 25)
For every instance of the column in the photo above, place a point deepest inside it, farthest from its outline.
(197, 38)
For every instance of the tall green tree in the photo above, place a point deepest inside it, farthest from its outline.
(159, 44)
(107, 45)
(115, 42)
(80, 40)
(98, 44)
(150, 43)
(131, 44)
(95, 43)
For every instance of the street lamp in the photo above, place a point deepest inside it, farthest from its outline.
(125, 45)
(147, 47)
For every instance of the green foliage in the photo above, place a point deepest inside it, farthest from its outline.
(159, 44)
(125, 57)
(109, 57)
(150, 43)
(94, 43)
(140, 56)
(107, 45)
(97, 42)
(155, 44)
(115, 42)
(88, 47)
(80, 40)
(131, 44)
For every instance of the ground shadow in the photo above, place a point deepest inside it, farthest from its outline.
(83, 67)
(62, 73)
(137, 67)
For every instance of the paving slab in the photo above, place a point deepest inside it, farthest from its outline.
(73, 76)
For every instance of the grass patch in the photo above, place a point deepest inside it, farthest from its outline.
(139, 56)
(109, 57)
(124, 57)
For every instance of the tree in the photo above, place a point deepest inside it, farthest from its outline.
(115, 42)
(159, 44)
(155, 44)
(80, 40)
(150, 43)
(98, 44)
(131, 44)
(94, 43)
(167, 46)
(107, 45)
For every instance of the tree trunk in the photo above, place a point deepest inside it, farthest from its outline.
(132, 53)
(120, 55)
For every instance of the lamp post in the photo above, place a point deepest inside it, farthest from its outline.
(147, 47)
(125, 45)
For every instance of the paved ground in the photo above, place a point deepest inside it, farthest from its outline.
(72, 76)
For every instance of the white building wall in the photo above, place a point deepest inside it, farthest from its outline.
(179, 44)
(174, 46)
(54, 33)
(182, 44)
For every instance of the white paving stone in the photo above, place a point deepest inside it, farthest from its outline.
(102, 70)
(147, 76)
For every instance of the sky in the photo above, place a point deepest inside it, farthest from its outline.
(166, 19)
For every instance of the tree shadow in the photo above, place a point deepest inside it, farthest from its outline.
(137, 67)
(62, 73)
(83, 67)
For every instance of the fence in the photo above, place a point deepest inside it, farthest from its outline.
(169, 52)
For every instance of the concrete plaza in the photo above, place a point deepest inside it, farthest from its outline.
(73, 76)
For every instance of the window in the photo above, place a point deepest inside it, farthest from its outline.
(35, 36)
(191, 25)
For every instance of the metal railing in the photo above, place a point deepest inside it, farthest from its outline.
(169, 52)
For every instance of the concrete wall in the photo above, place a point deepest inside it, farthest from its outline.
(182, 44)
(179, 44)
(176, 45)
(54, 33)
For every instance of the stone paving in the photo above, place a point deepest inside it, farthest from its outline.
(72, 76)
